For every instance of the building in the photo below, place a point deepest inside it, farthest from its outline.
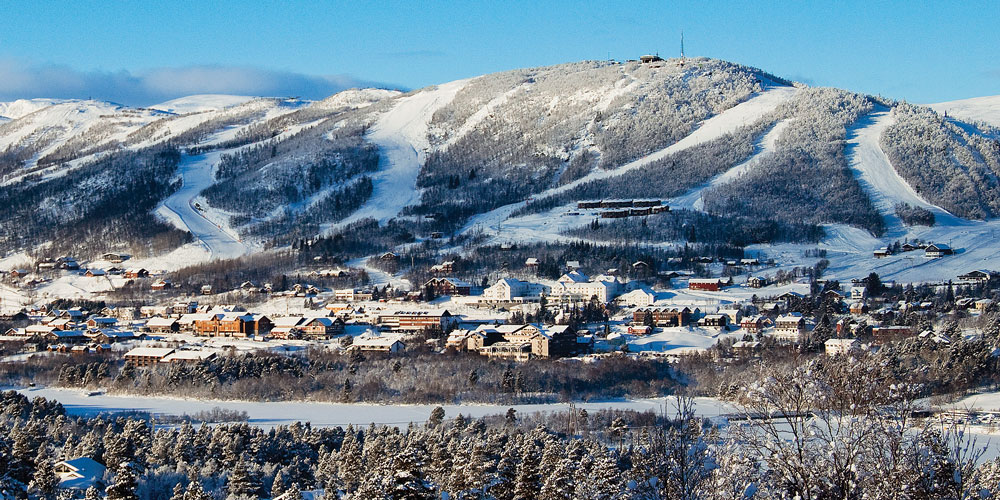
(735, 315)
(714, 321)
(859, 293)
(575, 287)
(747, 349)
(135, 272)
(882, 253)
(789, 327)
(979, 276)
(522, 342)
(147, 356)
(640, 297)
(230, 324)
(936, 250)
(448, 286)
(378, 344)
(101, 322)
(662, 316)
(756, 282)
(883, 334)
(80, 473)
(859, 308)
(352, 295)
(188, 357)
(754, 324)
(511, 290)
(320, 328)
(841, 346)
(161, 285)
(417, 321)
(709, 284)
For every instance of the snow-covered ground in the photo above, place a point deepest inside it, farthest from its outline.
(762, 149)
(977, 109)
(401, 135)
(201, 103)
(324, 414)
(196, 173)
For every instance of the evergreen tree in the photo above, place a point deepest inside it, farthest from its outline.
(44, 480)
(293, 493)
(241, 484)
(123, 487)
(93, 493)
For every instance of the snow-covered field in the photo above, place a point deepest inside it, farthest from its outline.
(323, 414)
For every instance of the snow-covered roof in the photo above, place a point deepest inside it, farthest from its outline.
(159, 322)
(187, 356)
(79, 473)
(155, 352)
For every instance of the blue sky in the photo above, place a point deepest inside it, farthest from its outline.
(139, 53)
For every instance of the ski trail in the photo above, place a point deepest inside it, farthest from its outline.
(762, 149)
(196, 175)
(401, 135)
(712, 128)
(877, 176)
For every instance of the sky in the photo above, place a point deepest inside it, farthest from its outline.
(142, 53)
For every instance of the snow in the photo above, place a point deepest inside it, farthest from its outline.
(22, 107)
(322, 414)
(977, 109)
(710, 129)
(197, 175)
(401, 135)
(201, 103)
(762, 149)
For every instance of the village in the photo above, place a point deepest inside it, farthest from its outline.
(641, 312)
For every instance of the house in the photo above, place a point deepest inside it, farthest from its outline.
(647, 59)
(841, 346)
(320, 328)
(979, 276)
(115, 258)
(662, 316)
(531, 263)
(720, 321)
(883, 334)
(859, 308)
(206, 290)
(789, 327)
(95, 273)
(983, 304)
(111, 336)
(936, 250)
(640, 329)
(101, 322)
(352, 295)
(750, 262)
(747, 349)
(640, 297)
(146, 356)
(756, 282)
(231, 324)
(135, 272)
(709, 284)
(882, 253)
(734, 314)
(445, 267)
(160, 285)
(18, 273)
(859, 293)
(448, 286)
(640, 267)
(378, 344)
(573, 265)
(80, 473)
(754, 324)
(522, 342)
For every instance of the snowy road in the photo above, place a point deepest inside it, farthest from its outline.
(401, 136)
(196, 174)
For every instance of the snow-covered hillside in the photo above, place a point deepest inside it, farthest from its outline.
(977, 109)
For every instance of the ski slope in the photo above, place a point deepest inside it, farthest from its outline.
(401, 136)
(977, 109)
(196, 174)
(762, 149)
(710, 129)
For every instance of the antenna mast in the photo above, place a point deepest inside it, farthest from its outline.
(682, 44)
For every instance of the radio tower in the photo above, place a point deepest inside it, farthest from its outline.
(682, 44)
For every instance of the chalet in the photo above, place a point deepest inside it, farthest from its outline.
(531, 263)
(114, 258)
(459, 339)
(352, 295)
(909, 247)
(709, 284)
(640, 266)
(640, 329)
(206, 290)
(573, 265)
(756, 282)
(859, 293)
(112, 336)
(522, 342)
(444, 267)
(979, 276)
(162, 325)
(754, 324)
(80, 473)
(836, 347)
(160, 285)
(789, 327)
(983, 304)
(734, 313)
(714, 321)
(66, 336)
(646, 203)
(389, 257)
(320, 328)
(882, 253)
(615, 214)
(135, 272)
(101, 322)
(95, 273)
(662, 316)
(18, 273)
(67, 263)
(378, 344)
(749, 262)
(188, 356)
(448, 286)
(859, 308)
(147, 356)
(231, 324)
(936, 250)
(883, 334)
(747, 349)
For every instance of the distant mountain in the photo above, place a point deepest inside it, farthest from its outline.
(484, 156)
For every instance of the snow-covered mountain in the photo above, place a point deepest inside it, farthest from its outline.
(505, 155)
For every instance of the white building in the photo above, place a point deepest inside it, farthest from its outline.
(841, 346)
(513, 290)
(640, 297)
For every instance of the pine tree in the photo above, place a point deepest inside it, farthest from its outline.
(178, 492)
(195, 491)
(408, 479)
(293, 493)
(124, 484)
(44, 480)
(349, 466)
(93, 493)
(437, 416)
(527, 485)
(241, 484)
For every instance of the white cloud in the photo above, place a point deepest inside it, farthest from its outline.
(21, 80)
